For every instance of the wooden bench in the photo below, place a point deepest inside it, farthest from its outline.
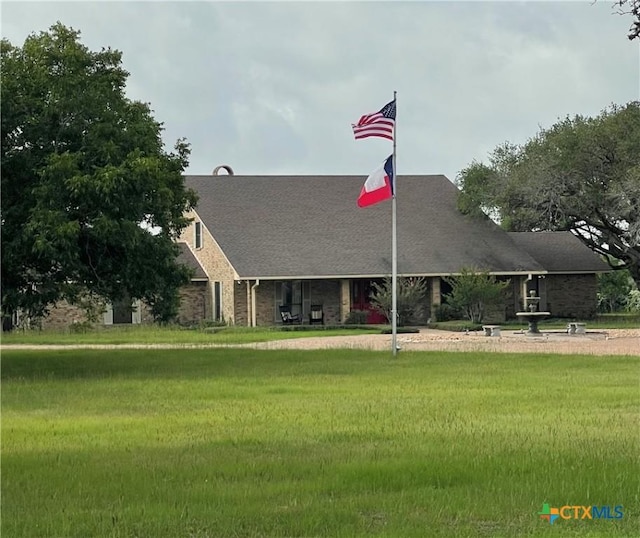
(491, 330)
(576, 328)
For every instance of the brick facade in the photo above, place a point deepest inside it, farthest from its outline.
(572, 296)
(328, 294)
(195, 303)
(240, 305)
(62, 315)
(217, 268)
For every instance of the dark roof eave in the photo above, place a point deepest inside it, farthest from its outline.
(379, 275)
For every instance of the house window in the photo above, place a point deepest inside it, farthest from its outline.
(198, 235)
(294, 293)
(217, 301)
(124, 312)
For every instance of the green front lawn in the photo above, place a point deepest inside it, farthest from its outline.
(236, 442)
(152, 334)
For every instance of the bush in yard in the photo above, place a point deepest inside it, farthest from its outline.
(411, 294)
(633, 301)
(473, 292)
(614, 288)
(444, 312)
(356, 317)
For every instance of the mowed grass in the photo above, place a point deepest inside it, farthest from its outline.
(244, 443)
(153, 334)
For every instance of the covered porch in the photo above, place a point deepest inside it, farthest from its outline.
(259, 302)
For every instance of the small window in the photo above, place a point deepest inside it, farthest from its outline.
(217, 299)
(198, 235)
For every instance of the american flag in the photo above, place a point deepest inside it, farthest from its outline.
(379, 123)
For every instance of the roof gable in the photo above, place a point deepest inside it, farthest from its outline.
(186, 257)
(310, 226)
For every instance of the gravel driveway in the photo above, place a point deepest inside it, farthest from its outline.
(605, 342)
(609, 342)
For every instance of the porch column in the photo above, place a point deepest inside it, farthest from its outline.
(436, 296)
(345, 299)
(524, 293)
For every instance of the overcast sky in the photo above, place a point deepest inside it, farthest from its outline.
(273, 87)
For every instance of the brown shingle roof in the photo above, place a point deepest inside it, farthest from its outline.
(186, 257)
(310, 226)
(560, 252)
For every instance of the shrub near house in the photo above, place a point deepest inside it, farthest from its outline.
(474, 292)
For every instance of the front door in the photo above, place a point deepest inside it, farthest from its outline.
(360, 300)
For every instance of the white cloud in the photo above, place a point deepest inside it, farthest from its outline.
(273, 87)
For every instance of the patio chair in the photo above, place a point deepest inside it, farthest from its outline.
(287, 317)
(316, 314)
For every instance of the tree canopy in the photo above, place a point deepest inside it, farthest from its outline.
(630, 7)
(85, 180)
(582, 174)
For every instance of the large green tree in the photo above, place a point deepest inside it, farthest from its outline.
(91, 202)
(582, 175)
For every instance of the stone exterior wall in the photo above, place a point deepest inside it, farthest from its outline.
(217, 268)
(572, 296)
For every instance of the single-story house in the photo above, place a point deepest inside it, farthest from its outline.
(268, 241)
(257, 243)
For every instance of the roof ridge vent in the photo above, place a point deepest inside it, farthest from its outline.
(216, 170)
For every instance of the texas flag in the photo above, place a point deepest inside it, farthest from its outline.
(379, 185)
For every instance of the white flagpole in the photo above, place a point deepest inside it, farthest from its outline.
(394, 248)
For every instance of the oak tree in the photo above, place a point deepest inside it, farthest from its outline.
(91, 201)
(582, 175)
